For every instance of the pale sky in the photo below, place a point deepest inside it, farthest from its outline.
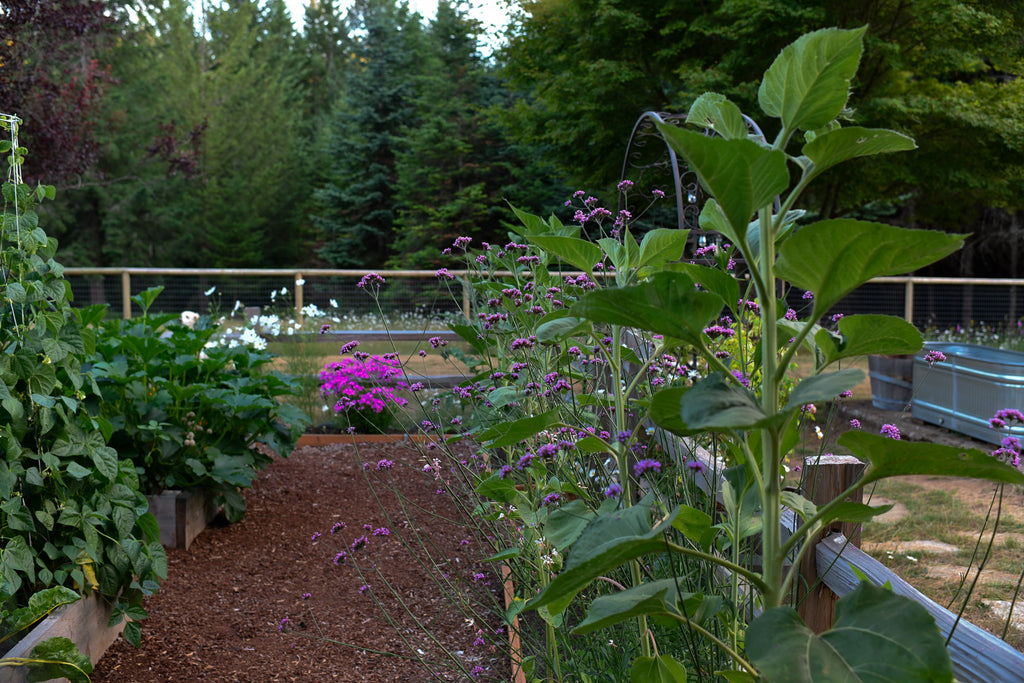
(491, 13)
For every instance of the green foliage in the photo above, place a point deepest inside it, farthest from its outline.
(54, 657)
(187, 412)
(944, 72)
(654, 547)
(71, 513)
(877, 635)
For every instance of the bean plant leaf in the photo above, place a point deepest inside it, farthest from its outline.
(667, 304)
(39, 605)
(833, 257)
(808, 84)
(892, 458)
(740, 174)
(840, 145)
(59, 658)
(878, 636)
(713, 111)
(577, 252)
(660, 669)
(863, 335)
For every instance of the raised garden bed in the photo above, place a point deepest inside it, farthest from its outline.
(83, 622)
(182, 515)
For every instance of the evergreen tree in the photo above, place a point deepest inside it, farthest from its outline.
(457, 167)
(356, 202)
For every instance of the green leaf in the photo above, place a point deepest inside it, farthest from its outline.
(741, 175)
(40, 604)
(832, 258)
(560, 329)
(497, 489)
(843, 144)
(824, 387)
(714, 404)
(696, 525)
(714, 111)
(59, 658)
(892, 458)
(878, 636)
(577, 252)
(661, 245)
(660, 669)
(509, 433)
(608, 541)
(864, 335)
(654, 597)
(808, 84)
(566, 523)
(668, 304)
(713, 280)
(506, 554)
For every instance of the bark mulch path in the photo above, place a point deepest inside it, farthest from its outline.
(218, 615)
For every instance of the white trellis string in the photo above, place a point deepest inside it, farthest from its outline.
(11, 121)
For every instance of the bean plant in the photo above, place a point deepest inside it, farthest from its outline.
(71, 514)
(570, 390)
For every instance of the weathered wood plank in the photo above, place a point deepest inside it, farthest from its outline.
(978, 656)
(182, 515)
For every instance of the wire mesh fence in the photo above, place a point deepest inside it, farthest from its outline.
(937, 303)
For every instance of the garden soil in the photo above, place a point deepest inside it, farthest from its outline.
(218, 617)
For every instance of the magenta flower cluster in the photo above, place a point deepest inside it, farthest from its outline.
(369, 384)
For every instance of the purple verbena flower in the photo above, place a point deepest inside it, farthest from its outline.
(891, 431)
(644, 466)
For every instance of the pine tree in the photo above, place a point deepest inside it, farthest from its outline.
(356, 202)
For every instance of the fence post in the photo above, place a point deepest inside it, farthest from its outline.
(299, 282)
(126, 295)
(908, 301)
(825, 478)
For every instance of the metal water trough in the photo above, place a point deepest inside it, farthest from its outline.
(963, 392)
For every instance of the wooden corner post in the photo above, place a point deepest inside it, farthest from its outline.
(826, 476)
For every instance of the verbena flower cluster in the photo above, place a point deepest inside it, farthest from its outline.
(370, 383)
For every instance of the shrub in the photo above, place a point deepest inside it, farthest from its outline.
(188, 411)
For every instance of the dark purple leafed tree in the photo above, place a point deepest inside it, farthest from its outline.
(51, 77)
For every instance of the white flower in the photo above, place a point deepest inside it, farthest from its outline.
(817, 430)
(189, 319)
(284, 291)
(334, 303)
(250, 337)
(260, 344)
(300, 282)
(273, 295)
(210, 291)
(911, 558)
(238, 306)
(312, 311)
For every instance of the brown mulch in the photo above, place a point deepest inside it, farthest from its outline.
(218, 617)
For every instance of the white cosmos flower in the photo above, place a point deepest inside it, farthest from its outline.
(300, 282)
(210, 291)
(284, 291)
(334, 303)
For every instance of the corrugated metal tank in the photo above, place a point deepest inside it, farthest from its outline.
(963, 392)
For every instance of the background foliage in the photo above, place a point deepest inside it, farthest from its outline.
(373, 136)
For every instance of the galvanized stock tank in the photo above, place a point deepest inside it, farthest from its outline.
(963, 392)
